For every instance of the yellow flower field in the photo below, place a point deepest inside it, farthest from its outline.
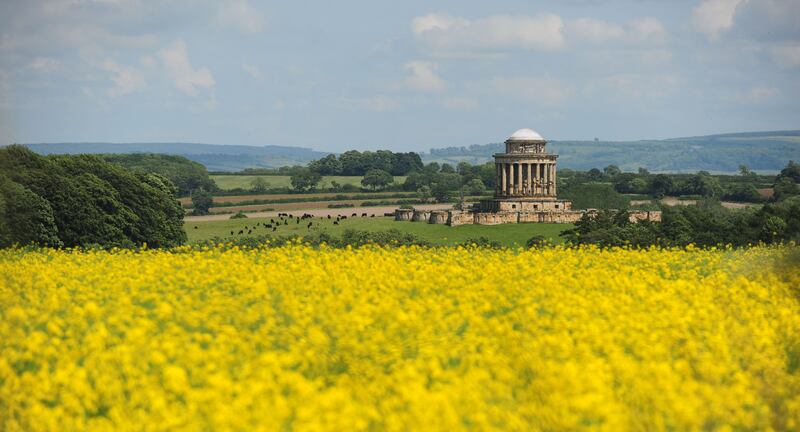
(295, 338)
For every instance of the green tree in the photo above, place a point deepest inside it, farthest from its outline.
(612, 171)
(447, 169)
(705, 185)
(745, 171)
(25, 218)
(424, 192)
(259, 185)
(377, 179)
(329, 165)
(94, 202)
(305, 180)
(792, 171)
(475, 187)
(660, 185)
(783, 188)
(185, 174)
(202, 202)
(595, 174)
(446, 186)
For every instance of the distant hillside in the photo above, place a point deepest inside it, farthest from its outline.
(723, 153)
(215, 157)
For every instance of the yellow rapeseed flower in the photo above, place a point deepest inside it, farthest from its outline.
(297, 338)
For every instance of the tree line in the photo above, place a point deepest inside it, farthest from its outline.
(83, 200)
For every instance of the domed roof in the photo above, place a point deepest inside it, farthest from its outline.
(525, 135)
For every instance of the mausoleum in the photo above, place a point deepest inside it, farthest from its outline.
(526, 187)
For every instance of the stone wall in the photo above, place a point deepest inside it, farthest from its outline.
(464, 217)
(420, 216)
(403, 214)
(459, 217)
(525, 205)
(439, 217)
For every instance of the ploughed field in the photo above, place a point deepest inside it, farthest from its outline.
(296, 338)
(507, 235)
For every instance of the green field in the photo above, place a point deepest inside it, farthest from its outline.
(228, 182)
(509, 234)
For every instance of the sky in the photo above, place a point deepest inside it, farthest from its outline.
(402, 75)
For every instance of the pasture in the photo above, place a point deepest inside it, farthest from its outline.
(228, 182)
(508, 234)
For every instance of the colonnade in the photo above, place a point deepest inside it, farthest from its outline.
(525, 179)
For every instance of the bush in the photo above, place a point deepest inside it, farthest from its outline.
(537, 242)
(239, 215)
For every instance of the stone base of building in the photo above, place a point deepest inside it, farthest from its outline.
(479, 215)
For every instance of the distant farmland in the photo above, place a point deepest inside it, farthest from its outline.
(228, 182)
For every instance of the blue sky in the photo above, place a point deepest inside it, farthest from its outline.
(407, 75)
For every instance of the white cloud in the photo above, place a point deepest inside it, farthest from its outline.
(714, 17)
(436, 21)
(126, 79)
(497, 32)
(459, 103)
(753, 96)
(540, 90)
(253, 71)
(187, 79)
(423, 77)
(44, 64)
(636, 32)
(786, 56)
(241, 15)
(633, 86)
(378, 103)
(593, 30)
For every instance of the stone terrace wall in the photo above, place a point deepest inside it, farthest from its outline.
(461, 217)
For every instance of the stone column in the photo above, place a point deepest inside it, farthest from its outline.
(549, 179)
(519, 178)
(538, 177)
(555, 180)
(503, 179)
(528, 182)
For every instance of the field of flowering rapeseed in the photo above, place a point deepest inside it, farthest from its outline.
(296, 338)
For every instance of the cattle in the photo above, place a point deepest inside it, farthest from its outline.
(195, 227)
(329, 216)
(363, 215)
(309, 224)
(354, 215)
(241, 232)
(336, 222)
(231, 232)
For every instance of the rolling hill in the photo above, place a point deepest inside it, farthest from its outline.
(764, 152)
(216, 157)
(723, 153)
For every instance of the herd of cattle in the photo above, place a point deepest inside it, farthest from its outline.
(286, 218)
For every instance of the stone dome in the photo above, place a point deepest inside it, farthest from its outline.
(525, 135)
